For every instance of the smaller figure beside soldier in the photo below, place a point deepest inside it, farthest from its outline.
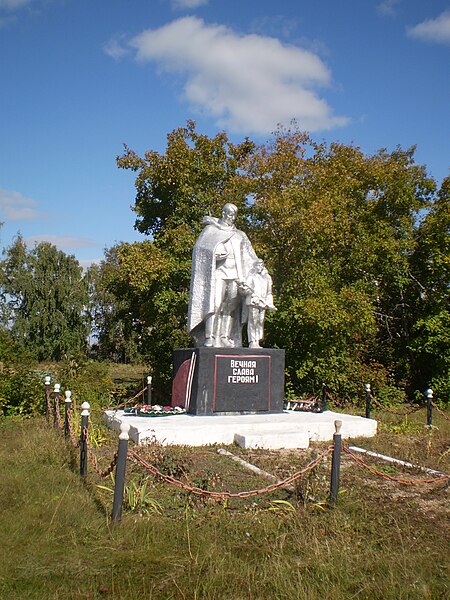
(258, 298)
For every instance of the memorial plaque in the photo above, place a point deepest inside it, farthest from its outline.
(211, 381)
(237, 377)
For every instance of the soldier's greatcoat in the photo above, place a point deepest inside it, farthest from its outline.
(203, 274)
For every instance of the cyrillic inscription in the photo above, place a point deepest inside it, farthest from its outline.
(243, 371)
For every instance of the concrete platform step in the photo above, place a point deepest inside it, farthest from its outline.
(266, 430)
(272, 441)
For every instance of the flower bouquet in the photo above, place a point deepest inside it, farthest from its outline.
(153, 411)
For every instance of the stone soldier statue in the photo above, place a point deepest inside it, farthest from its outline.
(221, 262)
(259, 298)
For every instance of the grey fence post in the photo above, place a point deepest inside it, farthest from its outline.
(56, 404)
(84, 438)
(324, 401)
(336, 462)
(120, 472)
(367, 400)
(67, 405)
(47, 381)
(429, 407)
(149, 390)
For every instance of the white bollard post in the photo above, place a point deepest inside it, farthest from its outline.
(429, 407)
(67, 405)
(336, 462)
(120, 471)
(56, 390)
(47, 381)
(84, 437)
(149, 390)
(367, 386)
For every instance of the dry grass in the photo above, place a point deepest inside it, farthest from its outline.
(381, 541)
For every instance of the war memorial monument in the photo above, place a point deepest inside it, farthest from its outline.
(222, 392)
(230, 293)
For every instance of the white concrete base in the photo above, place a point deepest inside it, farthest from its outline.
(289, 429)
(272, 441)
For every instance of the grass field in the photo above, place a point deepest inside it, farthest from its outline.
(382, 540)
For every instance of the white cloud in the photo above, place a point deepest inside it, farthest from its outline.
(61, 241)
(13, 4)
(249, 83)
(433, 30)
(388, 8)
(15, 207)
(115, 49)
(187, 4)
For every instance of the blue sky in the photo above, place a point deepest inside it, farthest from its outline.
(80, 78)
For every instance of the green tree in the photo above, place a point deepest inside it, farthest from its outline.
(336, 228)
(115, 332)
(430, 338)
(44, 300)
(178, 188)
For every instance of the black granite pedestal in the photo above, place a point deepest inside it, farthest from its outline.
(210, 381)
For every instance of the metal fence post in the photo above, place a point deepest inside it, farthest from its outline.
(56, 404)
(367, 400)
(67, 405)
(429, 407)
(120, 472)
(47, 381)
(336, 462)
(324, 401)
(149, 390)
(84, 438)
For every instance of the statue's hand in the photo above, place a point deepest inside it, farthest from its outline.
(221, 252)
(243, 287)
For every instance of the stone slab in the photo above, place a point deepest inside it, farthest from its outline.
(225, 381)
(272, 441)
(193, 430)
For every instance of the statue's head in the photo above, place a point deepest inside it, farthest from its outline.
(258, 265)
(229, 213)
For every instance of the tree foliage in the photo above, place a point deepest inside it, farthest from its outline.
(44, 300)
(114, 330)
(430, 336)
(177, 189)
(357, 246)
(339, 228)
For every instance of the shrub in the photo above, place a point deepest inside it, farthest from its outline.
(21, 394)
(86, 379)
